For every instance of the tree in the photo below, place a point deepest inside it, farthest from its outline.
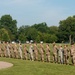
(67, 29)
(22, 33)
(4, 36)
(31, 34)
(9, 24)
(42, 27)
(22, 38)
(53, 30)
(27, 32)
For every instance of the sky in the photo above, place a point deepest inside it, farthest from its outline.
(29, 12)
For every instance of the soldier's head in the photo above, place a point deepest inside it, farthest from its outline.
(54, 45)
(60, 45)
(72, 43)
(35, 44)
(65, 45)
(47, 44)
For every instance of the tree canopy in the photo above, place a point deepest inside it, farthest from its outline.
(67, 28)
(10, 25)
(37, 32)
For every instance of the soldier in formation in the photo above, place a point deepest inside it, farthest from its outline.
(55, 53)
(47, 53)
(31, 52)
(25, 52)
(61, 54)
(66, 54)
(8, 49)
(20, 51)
(35, 52)
(42, 52)
(72, 53)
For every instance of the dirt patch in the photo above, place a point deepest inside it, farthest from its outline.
(4, 65)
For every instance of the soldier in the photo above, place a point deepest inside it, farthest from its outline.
(55, 53)
(66, 56)
(15, 50)
(60, 54)
(3, 48)
(31, 52)
(48, 52)
(0, 51)
(25, 52)
(8, 50)
(20, 50)
(42, 52)
(72, 53)
(11, 50)
(35, 51)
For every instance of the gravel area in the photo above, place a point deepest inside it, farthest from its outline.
(4, 65)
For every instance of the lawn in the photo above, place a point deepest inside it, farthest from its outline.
(27, 67)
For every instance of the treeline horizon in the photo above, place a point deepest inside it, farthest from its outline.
(65, 32)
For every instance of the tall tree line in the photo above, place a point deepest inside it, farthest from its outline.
(38, 32)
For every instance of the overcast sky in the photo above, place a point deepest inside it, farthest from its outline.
(29, 12)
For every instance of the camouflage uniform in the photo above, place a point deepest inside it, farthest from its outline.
(35, 52)
(0, 51)
(11, 50)
(48, 53)
(55, 53)
(20, 51)
(60, 54)
(15, 51)
(72, 53)
(31, 52)
(25, 52)
(66, 56)
(3, 47)
(8, 50)
(42, 52)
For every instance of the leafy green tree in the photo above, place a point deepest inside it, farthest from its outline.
(22, 33)
(67, 28)
(49, 38)
(31, 34)
(53, 30)
(53, 38)
(42, 27)
(37, 39)
(22, 38)
(10, 25)
(4, 36)
(28, 32)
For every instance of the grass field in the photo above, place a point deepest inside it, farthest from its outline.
(27, 67)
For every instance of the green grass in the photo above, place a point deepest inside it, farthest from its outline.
(27, 67)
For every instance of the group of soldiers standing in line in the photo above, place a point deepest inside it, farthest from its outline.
(64, 54)
(58, 54)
